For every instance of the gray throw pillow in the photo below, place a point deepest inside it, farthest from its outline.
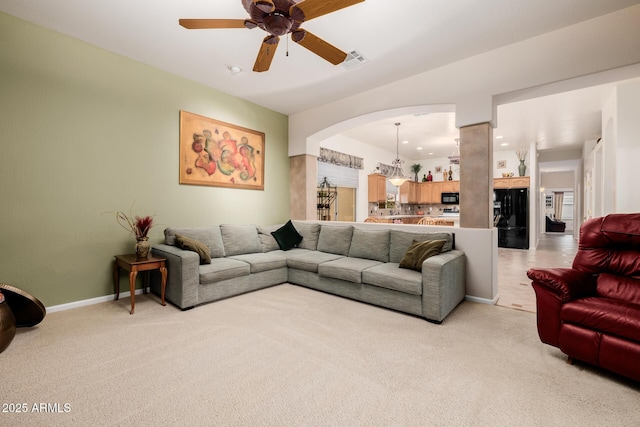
(418, 252)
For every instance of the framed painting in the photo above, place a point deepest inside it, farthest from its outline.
(501, 164)
(220, 154)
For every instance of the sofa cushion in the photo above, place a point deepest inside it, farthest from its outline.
(267, 241)
(389, 275)
(309, 261)
(347, 268)
(223, 269)
(196, 246)
(604, 315)
(210, 236)
(262, 261)
(240, 239)
(420, 251)
(370, 244)
(287, 236)
(310, 233)
(618, 287)
(335, 239)
(399, 242)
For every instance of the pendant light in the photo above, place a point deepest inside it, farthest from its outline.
(397, 178)
(454, 158)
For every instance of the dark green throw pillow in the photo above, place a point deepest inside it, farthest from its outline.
(184, 242)
(419, 251)
(287, 236)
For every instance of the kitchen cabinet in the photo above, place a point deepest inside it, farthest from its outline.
(377, 188)
(409, 192)
(430, 192)
(513, 182)
(450, 186)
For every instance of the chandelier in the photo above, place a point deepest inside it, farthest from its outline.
(454, 158)
(397, 178)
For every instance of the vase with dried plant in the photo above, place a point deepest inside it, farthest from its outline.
(521, 153)
(139, 227)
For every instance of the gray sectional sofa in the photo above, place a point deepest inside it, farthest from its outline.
(342, 259)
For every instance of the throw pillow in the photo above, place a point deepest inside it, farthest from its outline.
(287, 236)
(420, 251)
(184, 242)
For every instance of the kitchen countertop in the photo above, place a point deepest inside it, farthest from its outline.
(413, 219)
(416, 216)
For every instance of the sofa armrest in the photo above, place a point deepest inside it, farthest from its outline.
(566, 283)
(443, 284)
(183, 275)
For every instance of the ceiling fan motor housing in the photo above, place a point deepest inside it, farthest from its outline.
(276, 22)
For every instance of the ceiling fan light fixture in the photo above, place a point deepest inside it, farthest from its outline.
(397, 178)
(277, 24)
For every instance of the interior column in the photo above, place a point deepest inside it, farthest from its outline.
(476, 176)
(303, 177)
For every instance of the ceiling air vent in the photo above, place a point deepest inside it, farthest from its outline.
(354, 59)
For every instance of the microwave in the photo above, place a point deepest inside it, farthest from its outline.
(450, 198)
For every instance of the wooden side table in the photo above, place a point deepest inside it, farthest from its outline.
(133, 265)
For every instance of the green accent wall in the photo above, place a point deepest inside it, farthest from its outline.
(84, 133)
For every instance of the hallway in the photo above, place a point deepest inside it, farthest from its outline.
(514, 287)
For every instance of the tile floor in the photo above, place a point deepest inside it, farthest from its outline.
(514, 287)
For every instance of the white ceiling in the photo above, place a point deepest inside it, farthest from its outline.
(399, 38)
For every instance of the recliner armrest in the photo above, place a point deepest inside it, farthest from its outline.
(566, 283)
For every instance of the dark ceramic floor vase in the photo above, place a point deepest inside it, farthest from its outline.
(7, 324)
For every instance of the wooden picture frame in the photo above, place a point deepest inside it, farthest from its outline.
(220, 154)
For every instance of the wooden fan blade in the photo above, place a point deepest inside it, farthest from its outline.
(200, 24)
(266, 53)
(318, 46)
(309, 9)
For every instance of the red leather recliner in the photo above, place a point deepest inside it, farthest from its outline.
(591, 311)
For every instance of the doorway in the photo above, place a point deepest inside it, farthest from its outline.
(346, 204)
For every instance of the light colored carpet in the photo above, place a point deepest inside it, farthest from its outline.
(290, 356)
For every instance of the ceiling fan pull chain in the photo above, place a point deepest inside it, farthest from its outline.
(287, 53)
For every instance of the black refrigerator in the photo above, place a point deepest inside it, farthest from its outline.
(511, 210)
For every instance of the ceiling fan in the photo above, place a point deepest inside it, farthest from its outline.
(278, 18)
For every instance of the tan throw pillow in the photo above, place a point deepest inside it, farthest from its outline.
(419, 251)
(184, 242)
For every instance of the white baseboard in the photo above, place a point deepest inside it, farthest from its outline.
(97, 300)
(91, 301)
(482, 300)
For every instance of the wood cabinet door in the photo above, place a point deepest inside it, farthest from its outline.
(405, 192)
(436, 192)
(377, 191)
(451, 186)
(423, 193)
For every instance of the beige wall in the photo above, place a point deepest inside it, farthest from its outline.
(85, 132)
